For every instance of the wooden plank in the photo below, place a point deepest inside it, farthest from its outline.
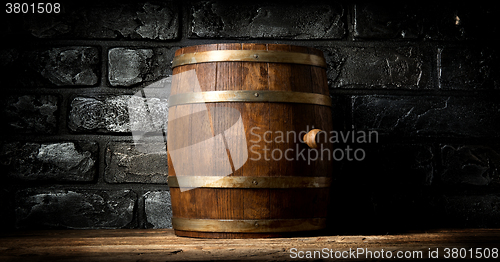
(163, 245)
(188, 84)
(298, 203)
(323, 120)
(177, 122)
(282, 119)
(303, 115)
(254, 76)
(229, 78)
(206, 199)
(323, 117)
(199, 202)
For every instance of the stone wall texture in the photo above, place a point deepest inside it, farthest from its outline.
(85, 112)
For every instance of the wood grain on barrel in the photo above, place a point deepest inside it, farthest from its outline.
(229, 201)
(255, 77)
(206, 199)
(178, 86)
(281, 120)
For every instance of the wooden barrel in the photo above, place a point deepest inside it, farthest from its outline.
(238, 165)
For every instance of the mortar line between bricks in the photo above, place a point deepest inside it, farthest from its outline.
(200, 41)
(101, 162)
(115, 91)
(61, 115)
(141, 209)
(104, 66)
(76, 91)
(350, 10)
(127, 138)
(136, 187)
(399, 92)
(184, 22)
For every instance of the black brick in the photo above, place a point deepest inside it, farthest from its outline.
(158, 208)
(128, 67)
(449, 21)
(82, 209)
(452, 21)
(136, 163)
(412, 116)
(61, 66)
(461, 211)
(219, 19)
(470, 165)
(63, 161)
(404, 67)
(108, 20)
(29, 114)
(468, 68)
(388, 21)
(120, 114)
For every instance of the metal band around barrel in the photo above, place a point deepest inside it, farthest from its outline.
(248, 225)
(248, 56)
(249, 96)
(248, 182)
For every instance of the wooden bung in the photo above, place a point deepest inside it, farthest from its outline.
(310, 138)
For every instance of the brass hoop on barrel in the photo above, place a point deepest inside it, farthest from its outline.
(250, 96)
(248, 182)
(248, 56)
(248, 225)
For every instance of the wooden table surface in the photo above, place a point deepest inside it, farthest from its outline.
(163, 245)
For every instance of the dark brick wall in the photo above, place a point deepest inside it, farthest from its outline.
(424, 76)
